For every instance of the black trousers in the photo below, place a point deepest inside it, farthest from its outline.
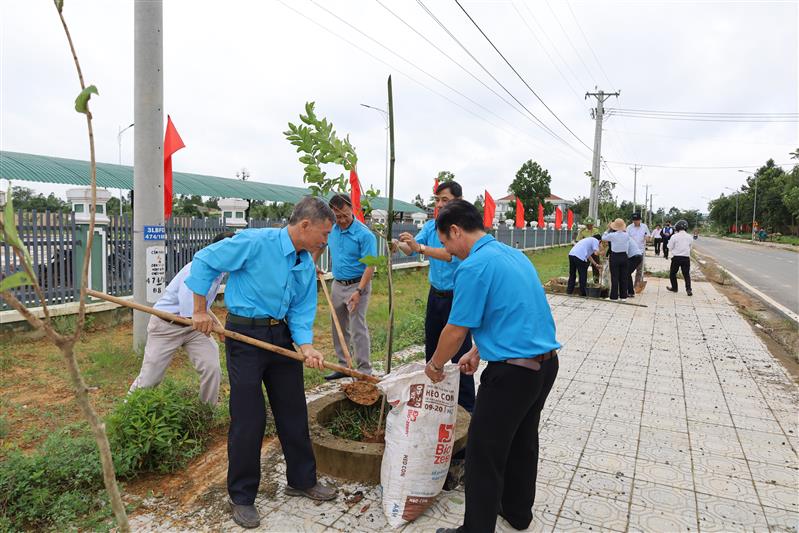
(502, 463)
(438, 308)
(618, 275)
(657, 246)
(680, 262)
(250, 369)
(632, 264)
(666, 248)
(577, 267)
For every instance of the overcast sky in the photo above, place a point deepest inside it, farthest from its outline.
(236, 72)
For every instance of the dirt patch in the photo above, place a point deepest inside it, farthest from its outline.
(361, 392)
(779, 334)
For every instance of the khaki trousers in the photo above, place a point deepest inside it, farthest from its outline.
(163, 339)
(356, 332)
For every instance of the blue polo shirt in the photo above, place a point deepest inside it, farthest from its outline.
(266, 279)
(499, 298)
(440, 273)
(349, 245)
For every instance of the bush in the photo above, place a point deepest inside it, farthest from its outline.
(158, 429)
(53, 487)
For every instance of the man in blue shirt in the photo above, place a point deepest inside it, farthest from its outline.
(271, 296)
(441, 274)
(350, 241)
(619, 242)
(164, 338)
(635, 256)
(499, 299)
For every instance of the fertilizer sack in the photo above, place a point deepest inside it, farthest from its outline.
(420, 435)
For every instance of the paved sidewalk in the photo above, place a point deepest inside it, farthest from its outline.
(670, 417)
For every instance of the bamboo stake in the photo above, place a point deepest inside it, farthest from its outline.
(344, 346)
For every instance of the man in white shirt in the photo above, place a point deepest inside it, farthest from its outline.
(164, 338)
(580, 255)
(638, 232)
(680, 248)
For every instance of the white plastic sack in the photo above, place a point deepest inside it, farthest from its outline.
(420, 434)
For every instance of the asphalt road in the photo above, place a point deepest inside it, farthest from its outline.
(773, 271)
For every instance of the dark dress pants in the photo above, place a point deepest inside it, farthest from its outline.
(657, 246)
(577, 267)
(502, 463)
(618, 275)
(439, 304)
(632, 264)
(683, 263)
(666, 248)
(250, 369)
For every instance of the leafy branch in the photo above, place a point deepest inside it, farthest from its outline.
(26, 276)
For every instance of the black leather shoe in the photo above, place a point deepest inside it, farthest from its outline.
(671, 289)
(318, 492)
(446, 530)
(245, 515)
(335, 375)
(689, 292)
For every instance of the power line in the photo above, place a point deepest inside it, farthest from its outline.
(463, 68)
(408, 76)
(579, 27)
(535, 36)
(653, 165)
(577, 52)
(703, 113)
(465, 49)
(551, 42)
(616, 112)
(519, 75)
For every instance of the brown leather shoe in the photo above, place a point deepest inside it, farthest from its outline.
(318, 492)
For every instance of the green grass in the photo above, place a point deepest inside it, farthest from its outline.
(782, 239)
(551, 262)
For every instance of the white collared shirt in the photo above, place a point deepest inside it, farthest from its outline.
(178, 299)
(680, 244)
(638, 234)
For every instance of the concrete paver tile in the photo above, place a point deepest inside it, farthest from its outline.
(596, 510)
(724, 515)
(780, 520)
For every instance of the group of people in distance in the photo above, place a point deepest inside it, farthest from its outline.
(485, 302)
(626, 248)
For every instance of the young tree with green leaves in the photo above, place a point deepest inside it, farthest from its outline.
(531, 186)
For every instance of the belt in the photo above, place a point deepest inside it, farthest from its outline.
(254, 322)
(441, 294)
(532, 363)
(348, 281)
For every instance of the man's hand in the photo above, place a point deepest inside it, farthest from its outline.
(354, 300)
(202, 322)
(470, 361)
(408, 239)
(435, 376)
(313, 357)
(320, 271)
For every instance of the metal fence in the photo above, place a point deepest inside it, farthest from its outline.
(49, 238)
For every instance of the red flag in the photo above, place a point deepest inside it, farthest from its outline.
(435, 190)
(355, 195)
(569, 219)
(558, 218)
(519, 214)
(540, 215)
(172, 143)
(489, 208)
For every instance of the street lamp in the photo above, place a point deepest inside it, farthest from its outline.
(385, 116)
(754, 205)
(736, 207)
(119, 143)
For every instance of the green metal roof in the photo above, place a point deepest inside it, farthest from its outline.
(16, 166)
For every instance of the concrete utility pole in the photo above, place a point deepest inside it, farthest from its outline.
(598, 112)
(646, 195)
(651, 214)
(149, 251)
(635, 169)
